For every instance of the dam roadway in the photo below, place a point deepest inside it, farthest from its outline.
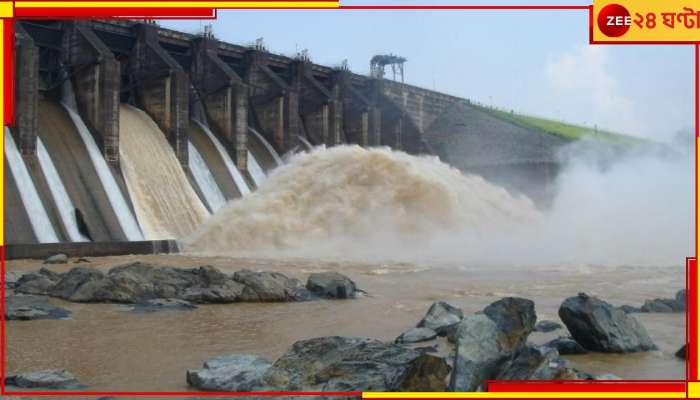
(252, 103)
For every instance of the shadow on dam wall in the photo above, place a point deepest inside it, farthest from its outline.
(257, 105)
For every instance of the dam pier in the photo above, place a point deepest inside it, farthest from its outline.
(129, 132)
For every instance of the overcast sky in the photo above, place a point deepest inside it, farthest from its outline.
(536, 62)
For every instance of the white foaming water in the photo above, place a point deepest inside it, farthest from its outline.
(267, 145)
(166, 205)
(256, 172)
(205, 180)
(230, 166)
(41, 224)
(127, 221)
(376, 204)
(66, 209)
(357, 202)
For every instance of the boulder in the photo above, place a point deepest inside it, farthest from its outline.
(31, 307)
(415, 335)
(515, 317)
(627, 309)
(536, 363)
(228, 292)
(11, 279)
(681, 353)
(355, 364)
(566, 346)
(37, 282)
(680, 299)
(80, 284)
(605, 377)
(230, 373)
(547, 326)
(440, 317)
(156, 305)
(661, 306)
(46, 379)
(482, 347)
(57, 259)
(598, 326)
(331, 285)
(270, 286)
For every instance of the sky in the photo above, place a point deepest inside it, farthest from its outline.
(534, 62)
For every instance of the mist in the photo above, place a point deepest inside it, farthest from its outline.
(612, 206)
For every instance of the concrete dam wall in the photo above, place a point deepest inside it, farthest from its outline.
(128, 131)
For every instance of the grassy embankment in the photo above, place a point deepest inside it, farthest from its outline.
(558, 128)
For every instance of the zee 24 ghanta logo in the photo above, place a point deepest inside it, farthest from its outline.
(615, 20)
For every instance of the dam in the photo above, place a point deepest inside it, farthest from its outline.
(129, 132)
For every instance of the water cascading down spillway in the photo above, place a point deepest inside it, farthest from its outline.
(234, 173)
(66, 209)
(38, 217)
(167, 206)
(204, 179)
(119, 205)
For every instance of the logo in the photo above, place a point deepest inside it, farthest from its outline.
(614, 20)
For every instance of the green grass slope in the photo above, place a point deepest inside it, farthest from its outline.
(558, 128)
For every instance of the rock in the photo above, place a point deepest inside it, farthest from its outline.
(627, 309)
(660, 305)
(37, 282)
(515, 317)
(355, 364)
(228, 292)
(547, 326)
(680, 299)
(80, 260)
(163, 305)
(46, 379)
(676, 304)
(481, 349)
(80, 284)
(566, 346)
(270, 286)
(331, 285)
(11, 279)
(536, 363)
(440, 317)
(598, 326)
(427, 349)
(57, 259)
(231, 373)
(415, 335)
(681, 353)
(32, 307)
(606, 377)
(137, 283)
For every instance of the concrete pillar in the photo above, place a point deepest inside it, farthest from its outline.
(26, 93)
(275, 102)
(375, 126)
(224, 97)
(95, 74)
(162, 88)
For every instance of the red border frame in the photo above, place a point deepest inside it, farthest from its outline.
(494, 386)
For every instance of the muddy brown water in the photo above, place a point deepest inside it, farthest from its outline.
(110, 349)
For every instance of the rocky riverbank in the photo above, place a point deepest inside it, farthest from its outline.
(394, 314)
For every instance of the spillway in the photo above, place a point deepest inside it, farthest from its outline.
(126, 219)
(263, 150)
(205, 180)
(230, 166)
(167, 207)
(66, 209)
(255, 170)
(38, 217)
